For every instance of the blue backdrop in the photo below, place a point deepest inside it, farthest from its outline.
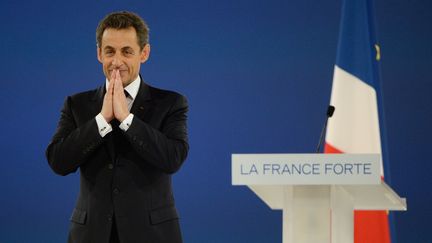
(258, 78)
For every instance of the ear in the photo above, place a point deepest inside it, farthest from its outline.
(145, 53)
(99, 54)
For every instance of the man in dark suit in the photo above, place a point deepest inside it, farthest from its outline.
(127, 138)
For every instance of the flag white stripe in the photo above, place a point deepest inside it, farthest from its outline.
(354, 127)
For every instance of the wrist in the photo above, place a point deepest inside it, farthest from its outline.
(123, 117)
(107, 118)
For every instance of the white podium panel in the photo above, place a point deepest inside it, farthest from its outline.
(317, 192)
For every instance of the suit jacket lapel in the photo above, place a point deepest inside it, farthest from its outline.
(96, 106)
(97, 99)
(141, 102)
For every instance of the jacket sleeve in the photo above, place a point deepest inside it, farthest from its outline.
(71, 146)
(168, 147)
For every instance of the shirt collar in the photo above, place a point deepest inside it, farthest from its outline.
(132, 88)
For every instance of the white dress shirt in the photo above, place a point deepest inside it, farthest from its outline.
(132, 89)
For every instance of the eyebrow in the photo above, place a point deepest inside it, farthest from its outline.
(127, 48)
(108, 47)
(123, 48)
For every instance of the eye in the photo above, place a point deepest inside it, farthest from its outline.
(128, 52)
(109, 52)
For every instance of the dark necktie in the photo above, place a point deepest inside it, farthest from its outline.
(128, 99)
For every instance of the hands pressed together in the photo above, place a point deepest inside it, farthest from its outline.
(115, 103)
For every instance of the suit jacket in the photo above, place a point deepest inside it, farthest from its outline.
(126, 175)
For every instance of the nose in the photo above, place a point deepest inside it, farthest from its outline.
(116, 62)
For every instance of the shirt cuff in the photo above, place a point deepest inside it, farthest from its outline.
(103, 126)
(126, 122)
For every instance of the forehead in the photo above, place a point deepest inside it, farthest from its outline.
(119, 38)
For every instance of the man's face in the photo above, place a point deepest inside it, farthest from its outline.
(120, 50)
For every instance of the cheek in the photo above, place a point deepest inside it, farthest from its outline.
(106, 69)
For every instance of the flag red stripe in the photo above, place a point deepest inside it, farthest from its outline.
(369, 226)
(329, 149)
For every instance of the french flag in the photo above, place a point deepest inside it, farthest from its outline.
(355, 125)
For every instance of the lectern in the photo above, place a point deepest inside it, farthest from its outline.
(318, 193)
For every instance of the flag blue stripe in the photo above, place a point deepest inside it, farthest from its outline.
(356, 54)
(356, 48)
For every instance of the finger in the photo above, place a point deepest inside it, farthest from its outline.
(112, 79)
(113, 74)
(111, 87)
(118, 77)
(118, 85)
